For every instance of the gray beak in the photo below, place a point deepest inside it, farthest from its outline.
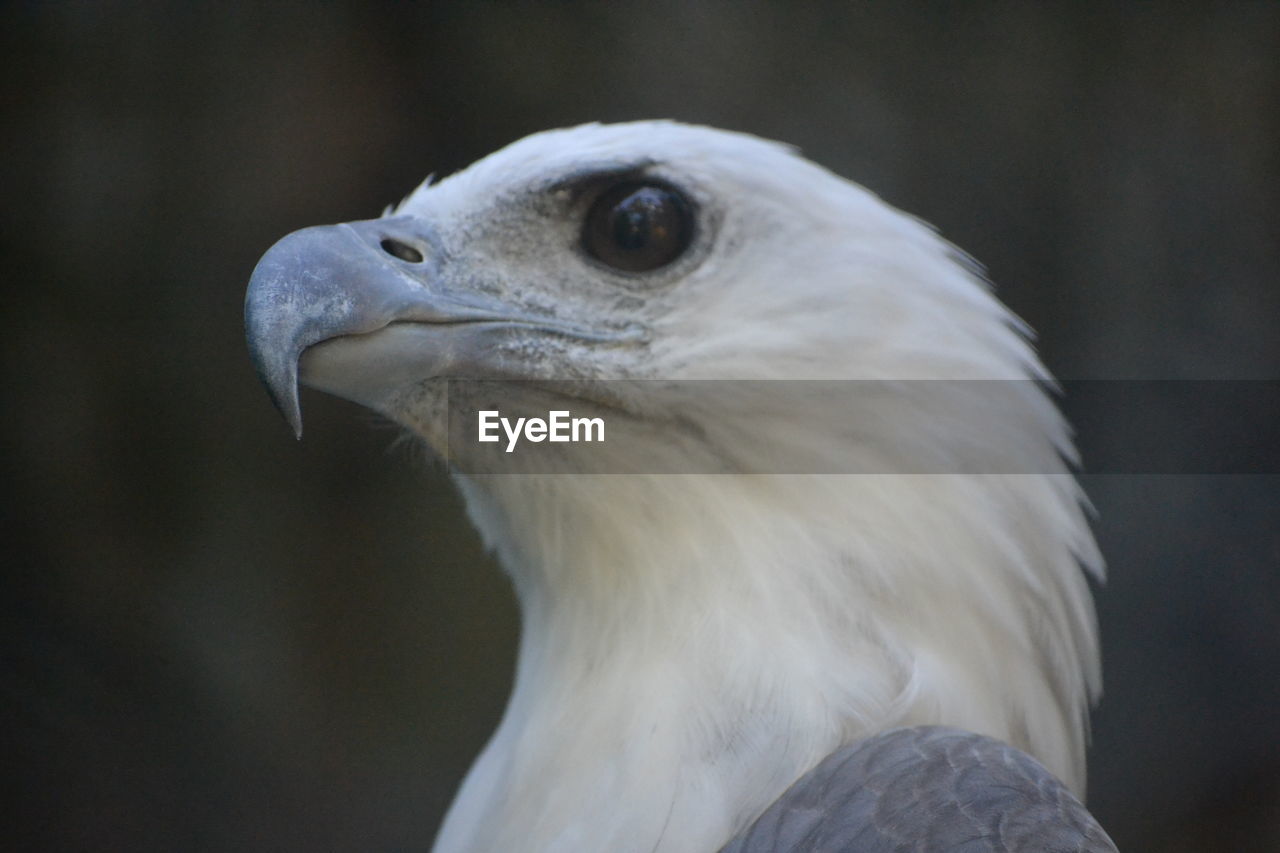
(335, 281)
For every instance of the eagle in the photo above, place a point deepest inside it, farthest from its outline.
(823, 586)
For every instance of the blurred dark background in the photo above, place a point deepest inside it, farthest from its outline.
(216, 638)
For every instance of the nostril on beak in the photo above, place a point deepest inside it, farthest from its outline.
(400, 250)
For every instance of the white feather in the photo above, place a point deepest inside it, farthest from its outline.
(694, 643)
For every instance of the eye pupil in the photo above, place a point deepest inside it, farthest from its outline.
(630, 228)
(637, 227)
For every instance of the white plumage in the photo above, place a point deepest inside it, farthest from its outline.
(692, 644)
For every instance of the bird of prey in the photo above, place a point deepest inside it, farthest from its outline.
(755, 618)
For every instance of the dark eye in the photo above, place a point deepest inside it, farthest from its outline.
(638, 227)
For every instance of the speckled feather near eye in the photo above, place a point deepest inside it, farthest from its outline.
(927, 789)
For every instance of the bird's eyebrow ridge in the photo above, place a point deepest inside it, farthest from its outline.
(585, 177)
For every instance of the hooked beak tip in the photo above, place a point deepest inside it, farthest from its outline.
(283, 389)
(294, 418)
(277, 368)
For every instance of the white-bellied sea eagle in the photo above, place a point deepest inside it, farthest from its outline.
(821, 586)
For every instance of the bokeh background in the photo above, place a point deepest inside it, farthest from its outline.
(217, 638)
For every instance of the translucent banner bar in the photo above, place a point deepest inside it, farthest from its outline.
(863, 427)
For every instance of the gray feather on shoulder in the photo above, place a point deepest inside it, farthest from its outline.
(928, 789)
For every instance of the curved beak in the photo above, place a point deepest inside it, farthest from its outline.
(352, 279)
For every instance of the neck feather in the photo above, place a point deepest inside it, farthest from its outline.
(724, 633)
